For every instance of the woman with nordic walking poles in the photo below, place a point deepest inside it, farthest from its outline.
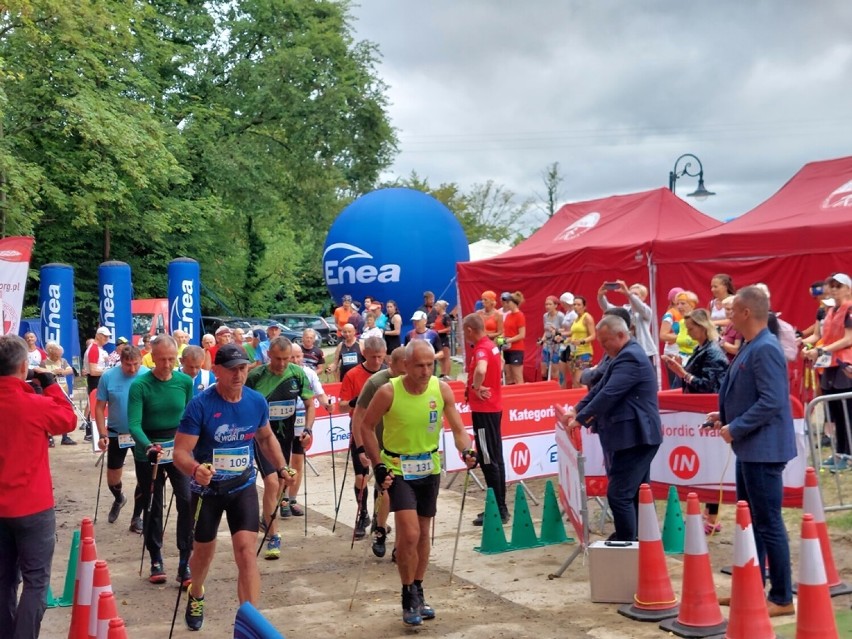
(217, 429)
(408, 466)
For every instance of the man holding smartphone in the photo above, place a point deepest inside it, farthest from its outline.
(641, 315)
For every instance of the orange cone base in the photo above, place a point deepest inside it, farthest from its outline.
(694, 632)
(835, 591)
(643, 614)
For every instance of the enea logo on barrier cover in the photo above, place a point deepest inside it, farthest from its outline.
(339, 434)
(50, 314)
(182, 312)
(338, 272)
(579, 227)
(108, 310)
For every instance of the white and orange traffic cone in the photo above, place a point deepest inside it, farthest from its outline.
(116, 629)
(106, 611)
(700, 614)
(79, 628)
(814, 614)
(749, 618)
(812, 503)
(100, 583)
(654, 599)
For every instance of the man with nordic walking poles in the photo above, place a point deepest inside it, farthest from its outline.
(408, 466)
(112, 394)
(281, 383)
(214, 446)
(155, 404)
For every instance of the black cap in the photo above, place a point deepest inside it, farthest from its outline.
(230, 355)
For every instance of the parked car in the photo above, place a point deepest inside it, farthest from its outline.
(211, 323)
(299, 322)
(263, 324)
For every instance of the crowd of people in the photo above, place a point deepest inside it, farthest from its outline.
(208, 418)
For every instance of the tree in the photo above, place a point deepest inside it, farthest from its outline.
(552, 179)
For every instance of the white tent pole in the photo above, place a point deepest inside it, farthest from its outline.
(655, 326)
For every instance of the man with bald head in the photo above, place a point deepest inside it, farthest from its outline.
(408, 466)
(622, 408)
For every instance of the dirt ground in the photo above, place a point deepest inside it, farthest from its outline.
(307, 592)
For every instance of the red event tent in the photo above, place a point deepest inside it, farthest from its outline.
(581, 246)
(798, 236)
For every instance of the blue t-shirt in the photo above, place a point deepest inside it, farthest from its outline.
(225, 432)
(204, 379)
(261, 353)
(114, 388)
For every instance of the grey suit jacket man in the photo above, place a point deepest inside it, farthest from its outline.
(623, 406)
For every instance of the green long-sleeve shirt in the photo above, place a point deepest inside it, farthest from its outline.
(154, 409)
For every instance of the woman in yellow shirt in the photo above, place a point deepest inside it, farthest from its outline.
(582, 336)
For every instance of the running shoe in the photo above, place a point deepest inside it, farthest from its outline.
(184, 576)
(117, 505)
(380, 537)
(194, 616)
(273, 548)
(426, 611)
(411, 606)
(158, 574)
(361, 525)
(828, 463)
(136, 525)
(840, 465)
(295, 509)
(51, 443)
(67, 441)
(284, 509)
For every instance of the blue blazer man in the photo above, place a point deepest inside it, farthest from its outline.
(754, 401)
(622, 407)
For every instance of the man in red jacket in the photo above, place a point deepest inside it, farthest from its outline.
(27, 519)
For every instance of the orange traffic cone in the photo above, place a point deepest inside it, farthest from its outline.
(749, 618)
(814, 614)
(106, 611)
(812, 503)
(654, 599)
(79, 628)
(87, 528)
(100, 583)
(116, 629)
(700, 614)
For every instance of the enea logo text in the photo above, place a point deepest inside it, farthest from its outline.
(108, 310)
(337, 272)
(50, 313)
(182, 311)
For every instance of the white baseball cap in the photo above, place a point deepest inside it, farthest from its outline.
(842, 278)
(567, 298)
(103, 330)
(418, 315)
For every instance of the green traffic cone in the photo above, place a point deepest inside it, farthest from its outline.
(52, 602)
(493, 537)
(523, 532)
(67, 598)
(674, 530)
(552, 526)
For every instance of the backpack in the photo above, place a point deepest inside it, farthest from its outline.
(787, 339)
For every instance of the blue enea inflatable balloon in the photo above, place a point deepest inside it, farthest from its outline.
(394, 244)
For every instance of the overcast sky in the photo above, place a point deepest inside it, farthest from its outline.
(615, 91)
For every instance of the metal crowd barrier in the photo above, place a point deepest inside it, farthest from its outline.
(815, 424)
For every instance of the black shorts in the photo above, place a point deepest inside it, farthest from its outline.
(513, 358)
(289, 444)
(115, 455)
(357, 466)
(417, 494)
(445, 339)
(240, 507)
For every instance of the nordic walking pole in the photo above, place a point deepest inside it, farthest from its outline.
(331, 441)
(458, 528)
(169, 509)
(191, 536)
(100, 481)
(364, 556)
(342, 484)
(290, 472)
(305, 484)
(147, 524)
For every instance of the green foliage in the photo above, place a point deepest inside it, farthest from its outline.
(230, 131)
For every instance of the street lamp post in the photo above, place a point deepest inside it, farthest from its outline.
(699, 193)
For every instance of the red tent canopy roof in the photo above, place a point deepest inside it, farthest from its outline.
(634, 220)
(811, 213)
